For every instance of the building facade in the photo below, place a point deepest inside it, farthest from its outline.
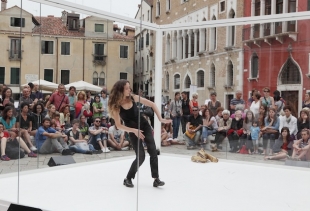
(277, 55)
(62, 49)
(203, 60)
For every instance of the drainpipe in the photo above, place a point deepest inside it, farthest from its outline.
(56, 60)
(83, 59)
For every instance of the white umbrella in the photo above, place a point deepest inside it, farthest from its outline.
(82, 85)
(44, 85)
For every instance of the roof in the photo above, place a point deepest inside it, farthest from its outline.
(123, 37)
(128, 28)
(23, 11)
(149, 2)
(54, 26)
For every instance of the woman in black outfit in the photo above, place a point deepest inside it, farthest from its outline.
(122, 106)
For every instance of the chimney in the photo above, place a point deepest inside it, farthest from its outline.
(64, 17)
(3, 4)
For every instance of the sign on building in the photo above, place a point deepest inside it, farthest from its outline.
(31, 77)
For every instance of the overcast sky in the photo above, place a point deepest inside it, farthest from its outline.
(126, 8)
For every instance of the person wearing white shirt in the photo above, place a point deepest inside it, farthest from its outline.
(289, 121)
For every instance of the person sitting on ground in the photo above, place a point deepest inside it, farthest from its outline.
(209, 125)
(224, 124)
(164, 136)
(193, 129)
(76, 142)
(98, 136)
(7, 96)
(281, 146)
(84, 127)
(48, 140)
(65, 115)
(235, 131)
(303, 122)
(289, 121)
(24, 123)
(301, 147)
(117, 138)
(37, 116)
(9, 121)
(104, 122)
(5, 137)
(245, 138)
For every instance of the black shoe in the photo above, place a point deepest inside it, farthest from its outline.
(67, 152)
(157, 183)
(128, 183)
(89, 152)
(97, 151)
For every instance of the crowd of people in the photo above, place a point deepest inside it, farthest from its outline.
(263, 124)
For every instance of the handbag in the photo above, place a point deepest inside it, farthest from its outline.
(82, 145)
(190, 135)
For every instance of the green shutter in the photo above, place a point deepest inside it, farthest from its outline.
(2, 75)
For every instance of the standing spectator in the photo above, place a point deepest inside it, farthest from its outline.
(194, 102)
(289, 121)
(25, 98)
(97, 107)
(266, 99)
(235, 132)
(251, 99)
(72, 100)
(117, 139)
(24, 123)
(254, 130)
(303, 122)
(236, 101)
(81, 100)
(104, 99)
(98, 136)
(301, 147)
(224, 125)
(185, 111)
(167, 112)
(255, 105)
(59, 99)
(7, 96)
(192, 135)
(213, 104)
(279, 105)
(306, 102)
(176, 114)
(90, 100)
(163, 103)
(271, 130)
(48, 140)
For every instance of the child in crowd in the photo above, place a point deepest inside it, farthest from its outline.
(254, 136)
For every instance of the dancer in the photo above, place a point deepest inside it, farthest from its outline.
(122, 106)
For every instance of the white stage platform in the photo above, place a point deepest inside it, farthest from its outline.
(96, 186)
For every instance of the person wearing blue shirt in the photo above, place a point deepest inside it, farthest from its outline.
(48, 139)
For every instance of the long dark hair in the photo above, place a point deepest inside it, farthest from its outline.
(4, 91)
(116, 96)
(246, 119)
(204, 113)
(275, 116)
(34, 109)
(5, 112)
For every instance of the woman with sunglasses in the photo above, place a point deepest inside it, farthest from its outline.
(122, 105)
(266, 99)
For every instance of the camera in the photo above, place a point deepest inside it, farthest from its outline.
(178, 113)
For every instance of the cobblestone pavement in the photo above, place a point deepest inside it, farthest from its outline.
(41, 162)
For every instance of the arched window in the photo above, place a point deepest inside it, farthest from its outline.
(95, 78)
(212, 75)
(147, 42)
(212, 45)
(102, 79)
(231, 30)
(254, 66)
(200, 78)
(187, 82)
(158, 8)
(142, 65)
(192, 44)
(290, 73)
(176, 81)
(230, 74)
(167, 81)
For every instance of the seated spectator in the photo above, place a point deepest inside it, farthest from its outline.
(37, 116)
(289, 121)
(239, 107)
(306, 102)
(51, 109)
(77, 143)
(84, 127)
(9, 121)
(117, 139)
(169, 132)
(219, 114)
(98, 136)
(165, 136)
(56, 120)
(245, 138)
(301, 147)
(24, 123)
(303, 122)
(97, 107)
(104, 122)
(235, 132)
(262, 115)
(209, 125)
(25, 98)
(193, 129)
(7, 96)
(194, 101)
(88, 113)
(64, 117)
(213, 104)
(49, 140)
(224, 125)
(281, 147)
(5, 137)
(270, 130)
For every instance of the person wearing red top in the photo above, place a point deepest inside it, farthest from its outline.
(59, 99)
(193, 102)
(281, 146)
(81, 100)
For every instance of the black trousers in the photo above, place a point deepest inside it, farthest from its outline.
(184, 120)
(151, 149)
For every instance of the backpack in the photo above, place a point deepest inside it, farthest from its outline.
(13, 150)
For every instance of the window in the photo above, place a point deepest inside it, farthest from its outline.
(99, 51)
(65, 48)
(222, 6)
(142, 42)
(231, 30)
(267, 12)
(279, 10)
(65, 77)
(158, 8)
(291, 8)
(212, 45)
(187, 82)
(17, 22)
(167, 81)
(308, 5)
(212, 76)
(73, 23)
(168, 5)
(147, 39)
(2, 74)
(15, 76)
(254, 66)
(290, 73)
(123, 76)
(99, 27)
(148, 15)
(177, 81)
(48, 75)
(230, 74)
(102, 79)
(95, 78)
(200, 78)
(15, 52)
(123, 51)
(47, 47)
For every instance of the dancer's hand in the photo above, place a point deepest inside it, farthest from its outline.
(139, 134)
(166, 121)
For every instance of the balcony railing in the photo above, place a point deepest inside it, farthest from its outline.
(15, 55)
(99, 59)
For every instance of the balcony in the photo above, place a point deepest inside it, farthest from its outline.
(257, 33)
(15, 55)
(99, 59)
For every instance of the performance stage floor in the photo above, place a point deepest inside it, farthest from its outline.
(96, 186)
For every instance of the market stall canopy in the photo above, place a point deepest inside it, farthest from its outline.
(82, 85)
(44, 85)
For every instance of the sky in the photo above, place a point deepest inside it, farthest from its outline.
(126, 8)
